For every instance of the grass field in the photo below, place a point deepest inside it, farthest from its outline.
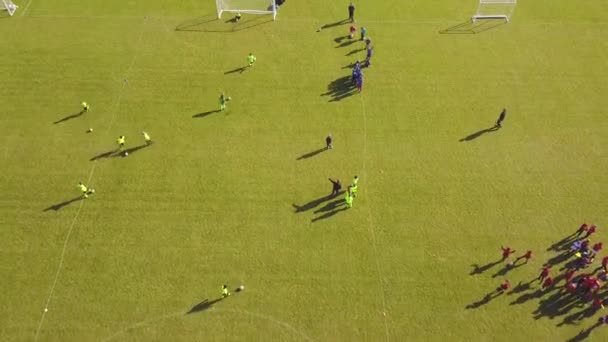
(214, 199)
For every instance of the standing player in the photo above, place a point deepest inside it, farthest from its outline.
(363, 32)
(351, 12)
(544, 273)
(368, 58)
(146, 137)
(359, 82)
(336, 187)
(501, 118)
(85, 106)
(582, 229)
(352, 30)
(348, 198)
(506, 251)
(120, 141)
(85, 191)
(223, 100)
(251, 59)
(526, 257)
(329, 142)
(225, 292)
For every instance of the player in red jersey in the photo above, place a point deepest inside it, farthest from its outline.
(527, 256)
(504, 286)
(569, 274)
(591, 230)
(597, 247)
(582, 229)
(506, 251)
(544, 273)
(547, 283)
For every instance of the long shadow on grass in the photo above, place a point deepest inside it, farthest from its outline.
(480, 269)
(210, 23)
(311, 154)
(469, 27)
(563, 244)
(556, 304)
(352, 52)
(331, 206)
(505, 269)
(58, 206)
(104, 155)
(485, 300)
(479, 133)
(312, 204)
(328, 214)
(204, 305)
(344, 41)
(337, 23)
(205, 114)
(240, 70)
(132, 150)
(340, 88)
(69, 117)
(584, 334)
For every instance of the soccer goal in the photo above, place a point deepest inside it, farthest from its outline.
(247, 6)
(494, 9)
(8, 5)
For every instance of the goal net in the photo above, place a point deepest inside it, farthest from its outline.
(495, 9)
(247, 6)
(9, 6)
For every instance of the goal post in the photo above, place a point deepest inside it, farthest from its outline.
(9, 6)
(247, 6)
(494, 9)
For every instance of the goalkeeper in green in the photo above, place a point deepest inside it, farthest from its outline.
(251, 59)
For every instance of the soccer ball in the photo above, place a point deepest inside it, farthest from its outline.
(126, 154)
(92, 191)
(229, 98)
(510, 264)
(242, 287)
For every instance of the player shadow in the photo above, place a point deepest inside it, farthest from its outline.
(240, 70)
(556, 305)
(331, 206)
(479, 133)
(337, 23)
(558, 259)
(573, 319)
(340, 89)
(131, 150)
(480, 269)
(352, 52)
(563, 244)
(210, 23)
(344, 41)
(470, 27)
(521, 287)
(584, 334)
(104, 155)
(58, 206)
(204, 305)
(204, 114)
(70, 117)
(485, 300)
(328, 214)
(505, 269)
(310, 205)
(311, 154)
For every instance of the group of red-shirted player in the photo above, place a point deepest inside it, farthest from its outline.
(586, 285)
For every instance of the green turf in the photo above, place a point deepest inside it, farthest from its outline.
(212, 201)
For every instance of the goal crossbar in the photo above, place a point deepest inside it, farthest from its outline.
(494, 9)
(247, 6)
